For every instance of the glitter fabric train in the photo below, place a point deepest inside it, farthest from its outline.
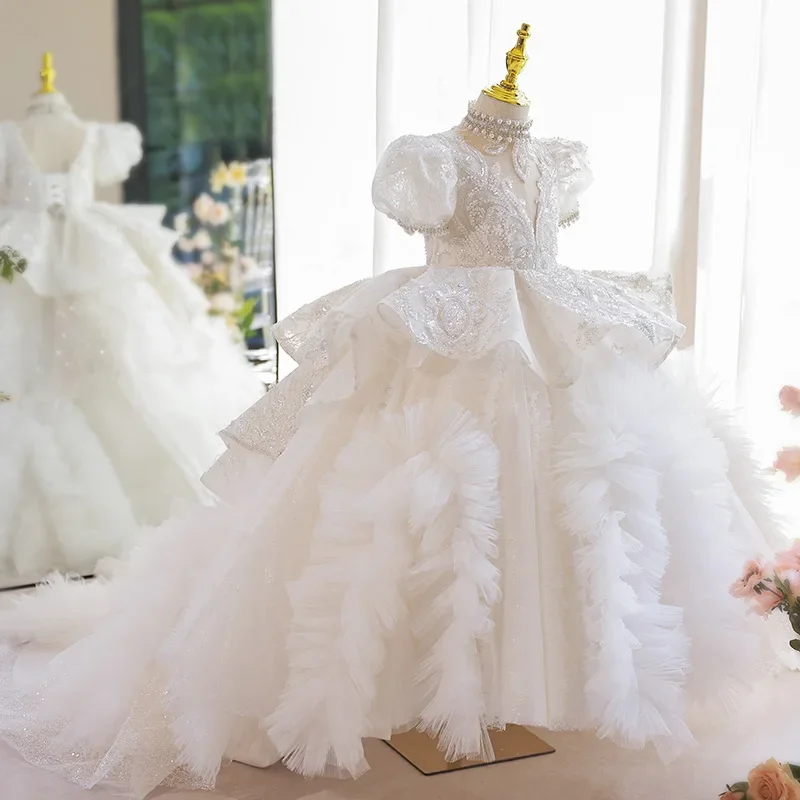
(483, 497)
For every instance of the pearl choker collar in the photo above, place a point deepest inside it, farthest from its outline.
(496, 129)
(497, 134)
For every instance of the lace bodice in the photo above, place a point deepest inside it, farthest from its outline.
(107, 154)
(464, 202)
(467, 209)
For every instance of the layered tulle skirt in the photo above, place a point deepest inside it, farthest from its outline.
(447, 517)
(116, 381)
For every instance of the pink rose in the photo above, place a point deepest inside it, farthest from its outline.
(788, 462)
(755, 571)
(787, 566)
(766, 601)
(772, 781)
(789, 397)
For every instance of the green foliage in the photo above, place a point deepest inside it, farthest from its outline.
(742, 786)
(207, 71)
(245, 315)
(11, 264)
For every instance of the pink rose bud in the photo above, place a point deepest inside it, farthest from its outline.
(789, 397)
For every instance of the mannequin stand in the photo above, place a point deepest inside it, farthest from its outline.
(510, 744)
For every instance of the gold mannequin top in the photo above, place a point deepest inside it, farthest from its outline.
(507, 90)
(48, 75)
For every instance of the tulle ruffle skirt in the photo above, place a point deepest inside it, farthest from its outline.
(418, 527)
(117, 383)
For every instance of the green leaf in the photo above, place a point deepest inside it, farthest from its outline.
(738, 788)
(795, 644)
(795, 770)
(6, 267)
(248, 307)
(11, 262)
(245, 315)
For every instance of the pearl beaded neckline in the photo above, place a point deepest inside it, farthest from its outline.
(497, 129)
(497, 134)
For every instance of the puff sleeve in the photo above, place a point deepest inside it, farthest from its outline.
(574, 177)
(118, 148)
(415, 184)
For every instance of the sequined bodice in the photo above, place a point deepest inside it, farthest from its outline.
(106, 157)
(468, 209)
(485, 243)
(491, 225)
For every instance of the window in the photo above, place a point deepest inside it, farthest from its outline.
(195, 77)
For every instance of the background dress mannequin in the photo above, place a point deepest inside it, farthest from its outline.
(118, 379)
(52, 133)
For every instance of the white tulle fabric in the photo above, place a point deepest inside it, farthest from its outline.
(118, 379)
(419, 527)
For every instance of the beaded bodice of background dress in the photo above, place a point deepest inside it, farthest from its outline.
(106, 155)
(72, 242)
(462, 198)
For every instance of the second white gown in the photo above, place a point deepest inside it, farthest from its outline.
(117, 378)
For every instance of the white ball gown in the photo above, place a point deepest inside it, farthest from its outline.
(478, 500)
(117, 378)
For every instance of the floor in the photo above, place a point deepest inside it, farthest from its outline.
(554, 776)
(766, 724)
(583, 768)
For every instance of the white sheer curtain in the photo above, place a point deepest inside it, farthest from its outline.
(749, 271)
(687, 107)
(676, 240)
(350, 76)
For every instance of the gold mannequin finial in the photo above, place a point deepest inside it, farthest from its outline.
(48, 75)
(507, 90)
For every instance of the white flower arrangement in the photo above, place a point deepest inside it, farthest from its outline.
(208, 249)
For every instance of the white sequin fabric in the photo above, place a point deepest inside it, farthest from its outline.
(491, 269)
(458, 197)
